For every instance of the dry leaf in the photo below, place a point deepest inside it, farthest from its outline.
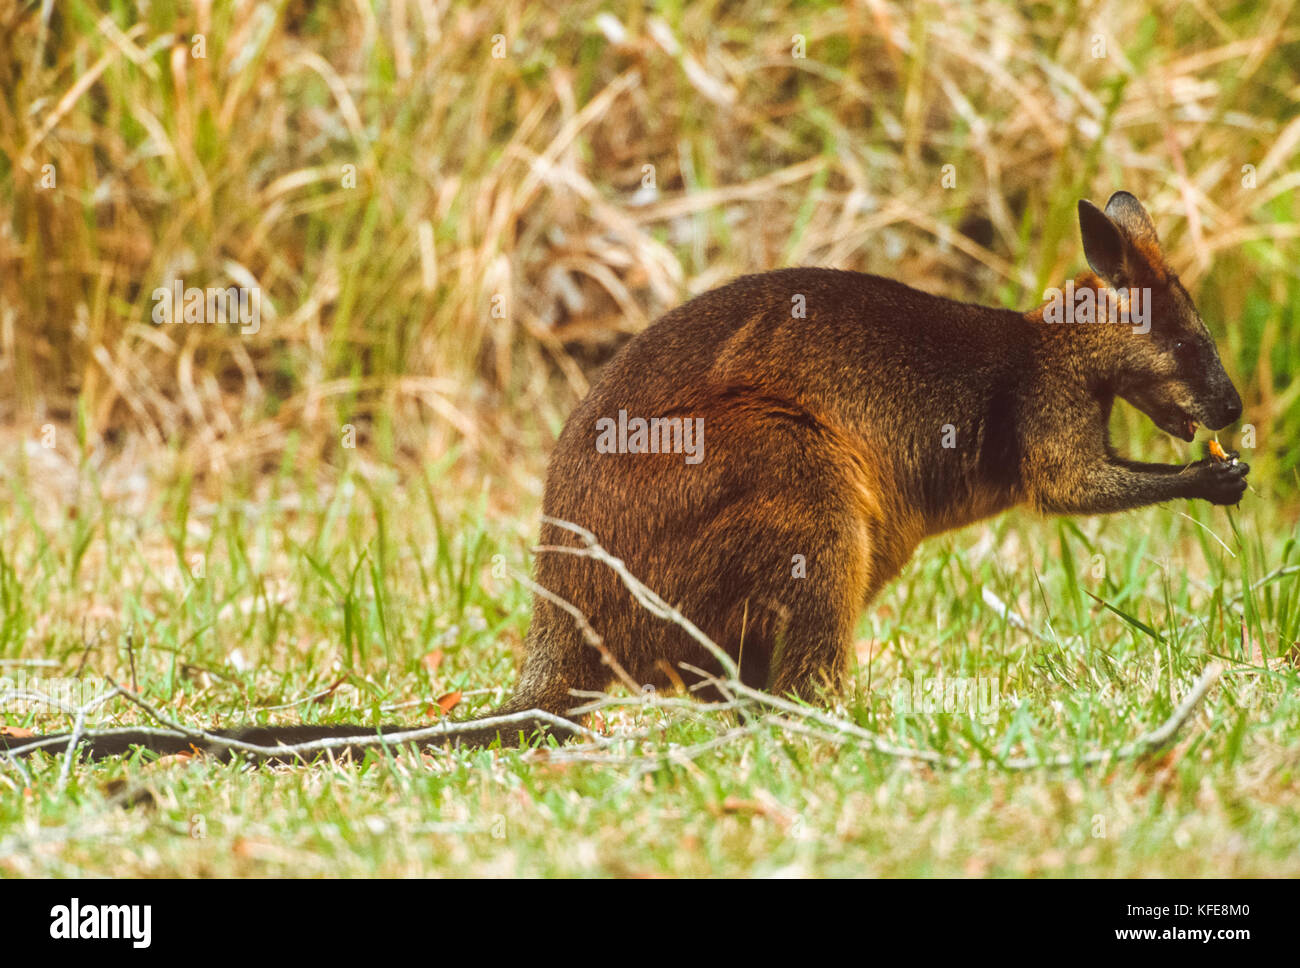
(445, 704)
(763, 804)
(172, 759)
(432, 661)
(1160, 770)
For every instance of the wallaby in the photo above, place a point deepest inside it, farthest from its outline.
(767, 456)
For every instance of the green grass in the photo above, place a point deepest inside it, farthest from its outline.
(359, 581)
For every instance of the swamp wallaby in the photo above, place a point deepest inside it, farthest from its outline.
(767, 456)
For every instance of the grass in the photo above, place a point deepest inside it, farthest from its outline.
(291, 601)
(283, 526)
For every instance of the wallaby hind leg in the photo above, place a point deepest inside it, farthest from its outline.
(792, 601)
(811, 656)
(782, 593)
(812, 639)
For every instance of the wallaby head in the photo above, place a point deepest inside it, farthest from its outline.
(1169, 367)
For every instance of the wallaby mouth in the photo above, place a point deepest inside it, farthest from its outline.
(1169, 416)
(1181, 426)
(1178, 422)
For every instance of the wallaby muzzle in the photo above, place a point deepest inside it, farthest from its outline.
(1221, 406)
(1178, 404)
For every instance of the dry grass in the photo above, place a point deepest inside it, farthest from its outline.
(523, 177)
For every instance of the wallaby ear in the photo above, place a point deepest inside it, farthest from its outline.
(1127, 212)
(1104, 245)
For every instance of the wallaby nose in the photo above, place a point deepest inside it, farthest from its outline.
(1230, 411)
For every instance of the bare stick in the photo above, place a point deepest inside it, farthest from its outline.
(30, 696)
(204, 739)
(13, 761)
(1146, 743)
(79, 727)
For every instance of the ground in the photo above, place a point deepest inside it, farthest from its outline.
(295, 603)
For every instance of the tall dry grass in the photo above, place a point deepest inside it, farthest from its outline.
(581, 168)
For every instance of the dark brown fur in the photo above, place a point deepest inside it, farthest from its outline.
(824, 438)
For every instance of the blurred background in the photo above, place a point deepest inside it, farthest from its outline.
(455, 212)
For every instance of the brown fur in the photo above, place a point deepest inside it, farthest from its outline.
(824, 437)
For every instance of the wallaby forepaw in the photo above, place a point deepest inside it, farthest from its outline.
(1223, 482)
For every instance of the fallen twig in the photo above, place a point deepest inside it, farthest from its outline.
(796, 717)
(78, 727)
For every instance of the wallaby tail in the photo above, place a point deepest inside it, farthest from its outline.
(540, 705)
(163, 742)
